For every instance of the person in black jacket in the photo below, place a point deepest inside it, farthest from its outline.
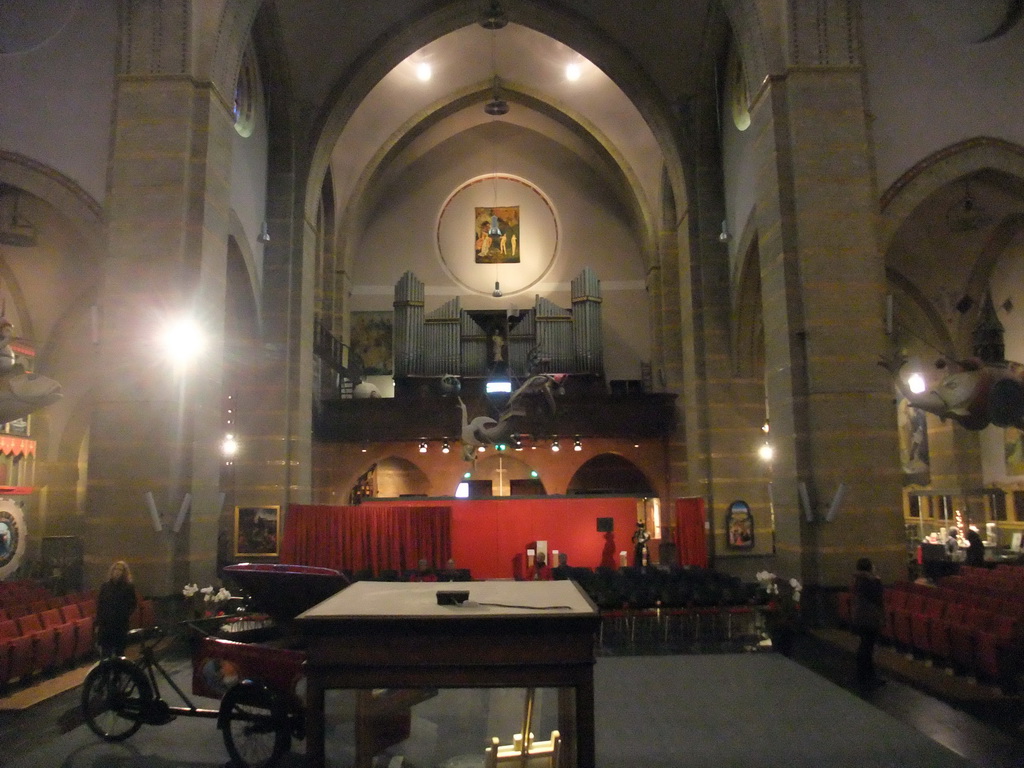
(866, 616)
(976, 550)
(114, 606)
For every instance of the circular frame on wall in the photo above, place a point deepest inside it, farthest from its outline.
(13, 537)
(497, 235)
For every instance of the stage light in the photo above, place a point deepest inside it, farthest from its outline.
(499, 386)
(554, 446)
(500, 446)
(423, 447)
(916, 383)
(766, 452)
(577, 445)
(229, 446)
(534, 474)
(482, 449)
(182, 341)
(445, 448)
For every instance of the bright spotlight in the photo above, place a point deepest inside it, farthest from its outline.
(229, 446)
(573, 72)
(916, 383)
(424, 72)
(766, 452)
(182, 341)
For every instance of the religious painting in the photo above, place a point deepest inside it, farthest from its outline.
(739, 526)
(496, 235)
(913, 433)
(371, 339)
(1013, 447)
(257, 531)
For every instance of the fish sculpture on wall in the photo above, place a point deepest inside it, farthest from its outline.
(971, 392)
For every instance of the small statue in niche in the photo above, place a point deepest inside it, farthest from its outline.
(497, 347)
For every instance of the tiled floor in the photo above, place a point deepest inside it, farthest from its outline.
(987, 733)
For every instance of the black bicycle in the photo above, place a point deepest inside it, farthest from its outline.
(120, 695)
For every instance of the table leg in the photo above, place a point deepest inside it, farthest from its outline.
(567, 726)
(314, 724)
(585, 752)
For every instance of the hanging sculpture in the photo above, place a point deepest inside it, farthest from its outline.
(972, 393)
(534, 400)
(21, 392)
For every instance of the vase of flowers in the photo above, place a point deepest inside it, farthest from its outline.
(783, 619)
(204, 602)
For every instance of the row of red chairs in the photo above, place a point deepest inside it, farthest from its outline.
(39, 643)
(971, 631)
(13, 609)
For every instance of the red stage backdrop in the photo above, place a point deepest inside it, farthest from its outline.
(486, 534)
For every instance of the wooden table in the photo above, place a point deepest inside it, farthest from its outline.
(508, 634)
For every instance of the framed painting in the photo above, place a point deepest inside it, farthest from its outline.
(496, 235)
(371, 338)
(739, 526)
(257, 531)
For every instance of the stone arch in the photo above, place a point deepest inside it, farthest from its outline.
(69, 199)
(400, 477)
(558, 24)
(747, 314)
(939, 169)
(610, 473)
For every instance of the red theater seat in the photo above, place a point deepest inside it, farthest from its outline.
(921, 621)
(84, 642)
(52, 619)
(18, 651)
(44, 642)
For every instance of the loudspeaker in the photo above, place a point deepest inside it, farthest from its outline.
(605, 524)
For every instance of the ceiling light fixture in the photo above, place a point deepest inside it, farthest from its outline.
(573, 72)
(577, 445)
(445, 447)
(554, 446)
(264, 235)
(497, 106)
(423, 447)
(967, 215)
(424, 72)
(494, 17)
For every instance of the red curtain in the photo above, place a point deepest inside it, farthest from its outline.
(690, 534)
(366, 537)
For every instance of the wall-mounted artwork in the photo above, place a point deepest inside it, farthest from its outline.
(739, 526)
(371, 339)
(496, 235)
(1013, 445)
(913, 433)
(257, 531)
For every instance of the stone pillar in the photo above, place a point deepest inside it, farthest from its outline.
(156, 427)
(823, 288)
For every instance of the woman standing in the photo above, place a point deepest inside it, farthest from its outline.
(114, 606)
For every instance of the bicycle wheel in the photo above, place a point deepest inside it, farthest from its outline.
(114, 696)
(255, 725)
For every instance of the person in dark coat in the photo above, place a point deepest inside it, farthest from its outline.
(114, 606)
(976, 550)
(866, 616)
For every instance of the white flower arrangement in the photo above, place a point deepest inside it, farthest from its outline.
(212, 597)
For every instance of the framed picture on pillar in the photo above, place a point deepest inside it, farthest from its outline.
(739, 526)
(257, 531)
